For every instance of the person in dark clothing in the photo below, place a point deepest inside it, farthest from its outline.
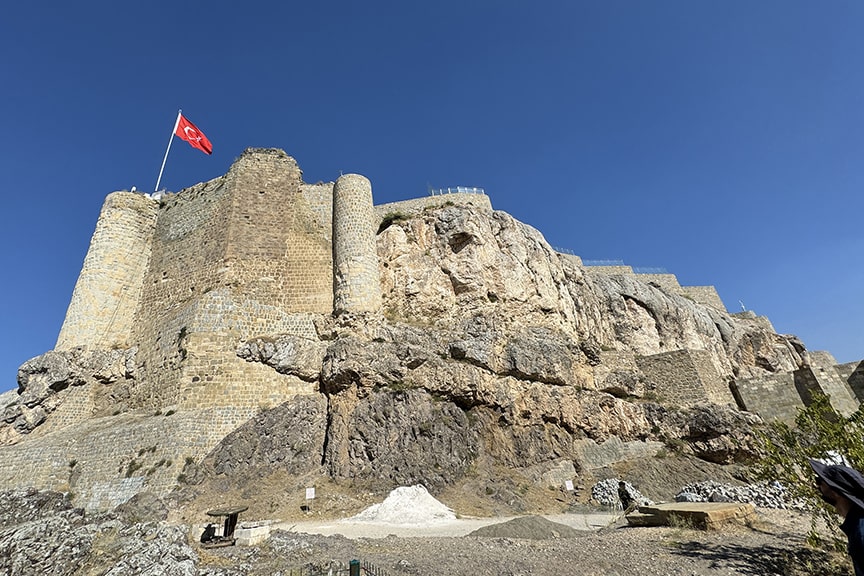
(843, 488)
(628, 503)
(208, 534)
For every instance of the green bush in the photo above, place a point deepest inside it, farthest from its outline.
(817, 432)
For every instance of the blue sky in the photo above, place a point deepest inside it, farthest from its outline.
(722, 141)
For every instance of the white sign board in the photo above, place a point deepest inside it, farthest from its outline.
(310, 493)
(568, 484)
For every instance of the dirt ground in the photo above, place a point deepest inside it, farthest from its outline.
(773, 544)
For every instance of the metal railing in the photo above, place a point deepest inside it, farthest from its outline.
(456, 190)
(649, 270)
(603, 262)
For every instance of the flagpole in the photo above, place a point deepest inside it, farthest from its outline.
(171, 139)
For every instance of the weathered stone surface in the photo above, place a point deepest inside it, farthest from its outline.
(404, 437)
(289, 437)
(488, 346)
(718, 434)
(45, 381)
(287, 354)
(704, 515)
(42, 534)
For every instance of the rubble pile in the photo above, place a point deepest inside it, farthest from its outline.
(763, 494)
(407, 505)
(605, 493)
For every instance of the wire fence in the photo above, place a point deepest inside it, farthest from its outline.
(336, 568)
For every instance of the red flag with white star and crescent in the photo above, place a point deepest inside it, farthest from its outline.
(190, 133)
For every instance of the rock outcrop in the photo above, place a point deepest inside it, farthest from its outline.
(42, 533)
(490, 350)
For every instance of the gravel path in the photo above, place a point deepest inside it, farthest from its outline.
(773, 545)
(355, 529)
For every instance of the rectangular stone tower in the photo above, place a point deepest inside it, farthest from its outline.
(243, 255)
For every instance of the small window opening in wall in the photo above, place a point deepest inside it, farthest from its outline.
(261, 192)
(164, 276)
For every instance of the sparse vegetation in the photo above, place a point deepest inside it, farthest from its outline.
(391, 218)
(676, 445)
(132, 467)
(818, 431)
(682, 522)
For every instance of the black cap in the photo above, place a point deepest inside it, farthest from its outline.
(847, 481)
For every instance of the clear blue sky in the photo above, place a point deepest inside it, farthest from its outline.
(723, 141)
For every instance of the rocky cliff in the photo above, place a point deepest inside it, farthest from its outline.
(491, 348)
(494, 362)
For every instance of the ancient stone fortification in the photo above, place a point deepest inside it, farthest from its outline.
(196, 311)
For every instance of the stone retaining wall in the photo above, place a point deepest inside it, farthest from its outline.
(105, 461)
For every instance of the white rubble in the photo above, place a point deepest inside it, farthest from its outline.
(406, 505)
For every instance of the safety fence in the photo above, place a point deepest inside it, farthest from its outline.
(603, 262)
(456, 190)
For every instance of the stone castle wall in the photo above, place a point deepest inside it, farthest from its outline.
(102, 310)
(773, 397)
(781, 396)
(245, 257)
(105, 461)
(706, 295)
(853, 374)
(684, 378)
(668, 282)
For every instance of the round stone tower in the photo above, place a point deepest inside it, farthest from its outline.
(356, 282)
(102, 310)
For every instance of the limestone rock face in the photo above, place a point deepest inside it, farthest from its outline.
(494, 275)
(493, 348)
(288, 354)
(399, 437)
(719, 434)
(289, 437)
(45, 381)
(43, 534)
(489, 351)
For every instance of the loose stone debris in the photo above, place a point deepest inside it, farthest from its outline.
(406, 505)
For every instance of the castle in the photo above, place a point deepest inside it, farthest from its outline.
(185, 279)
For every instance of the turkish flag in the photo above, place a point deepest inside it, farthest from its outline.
(191, 134)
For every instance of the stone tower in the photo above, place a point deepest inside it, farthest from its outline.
(356, 281)
(101, 313)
